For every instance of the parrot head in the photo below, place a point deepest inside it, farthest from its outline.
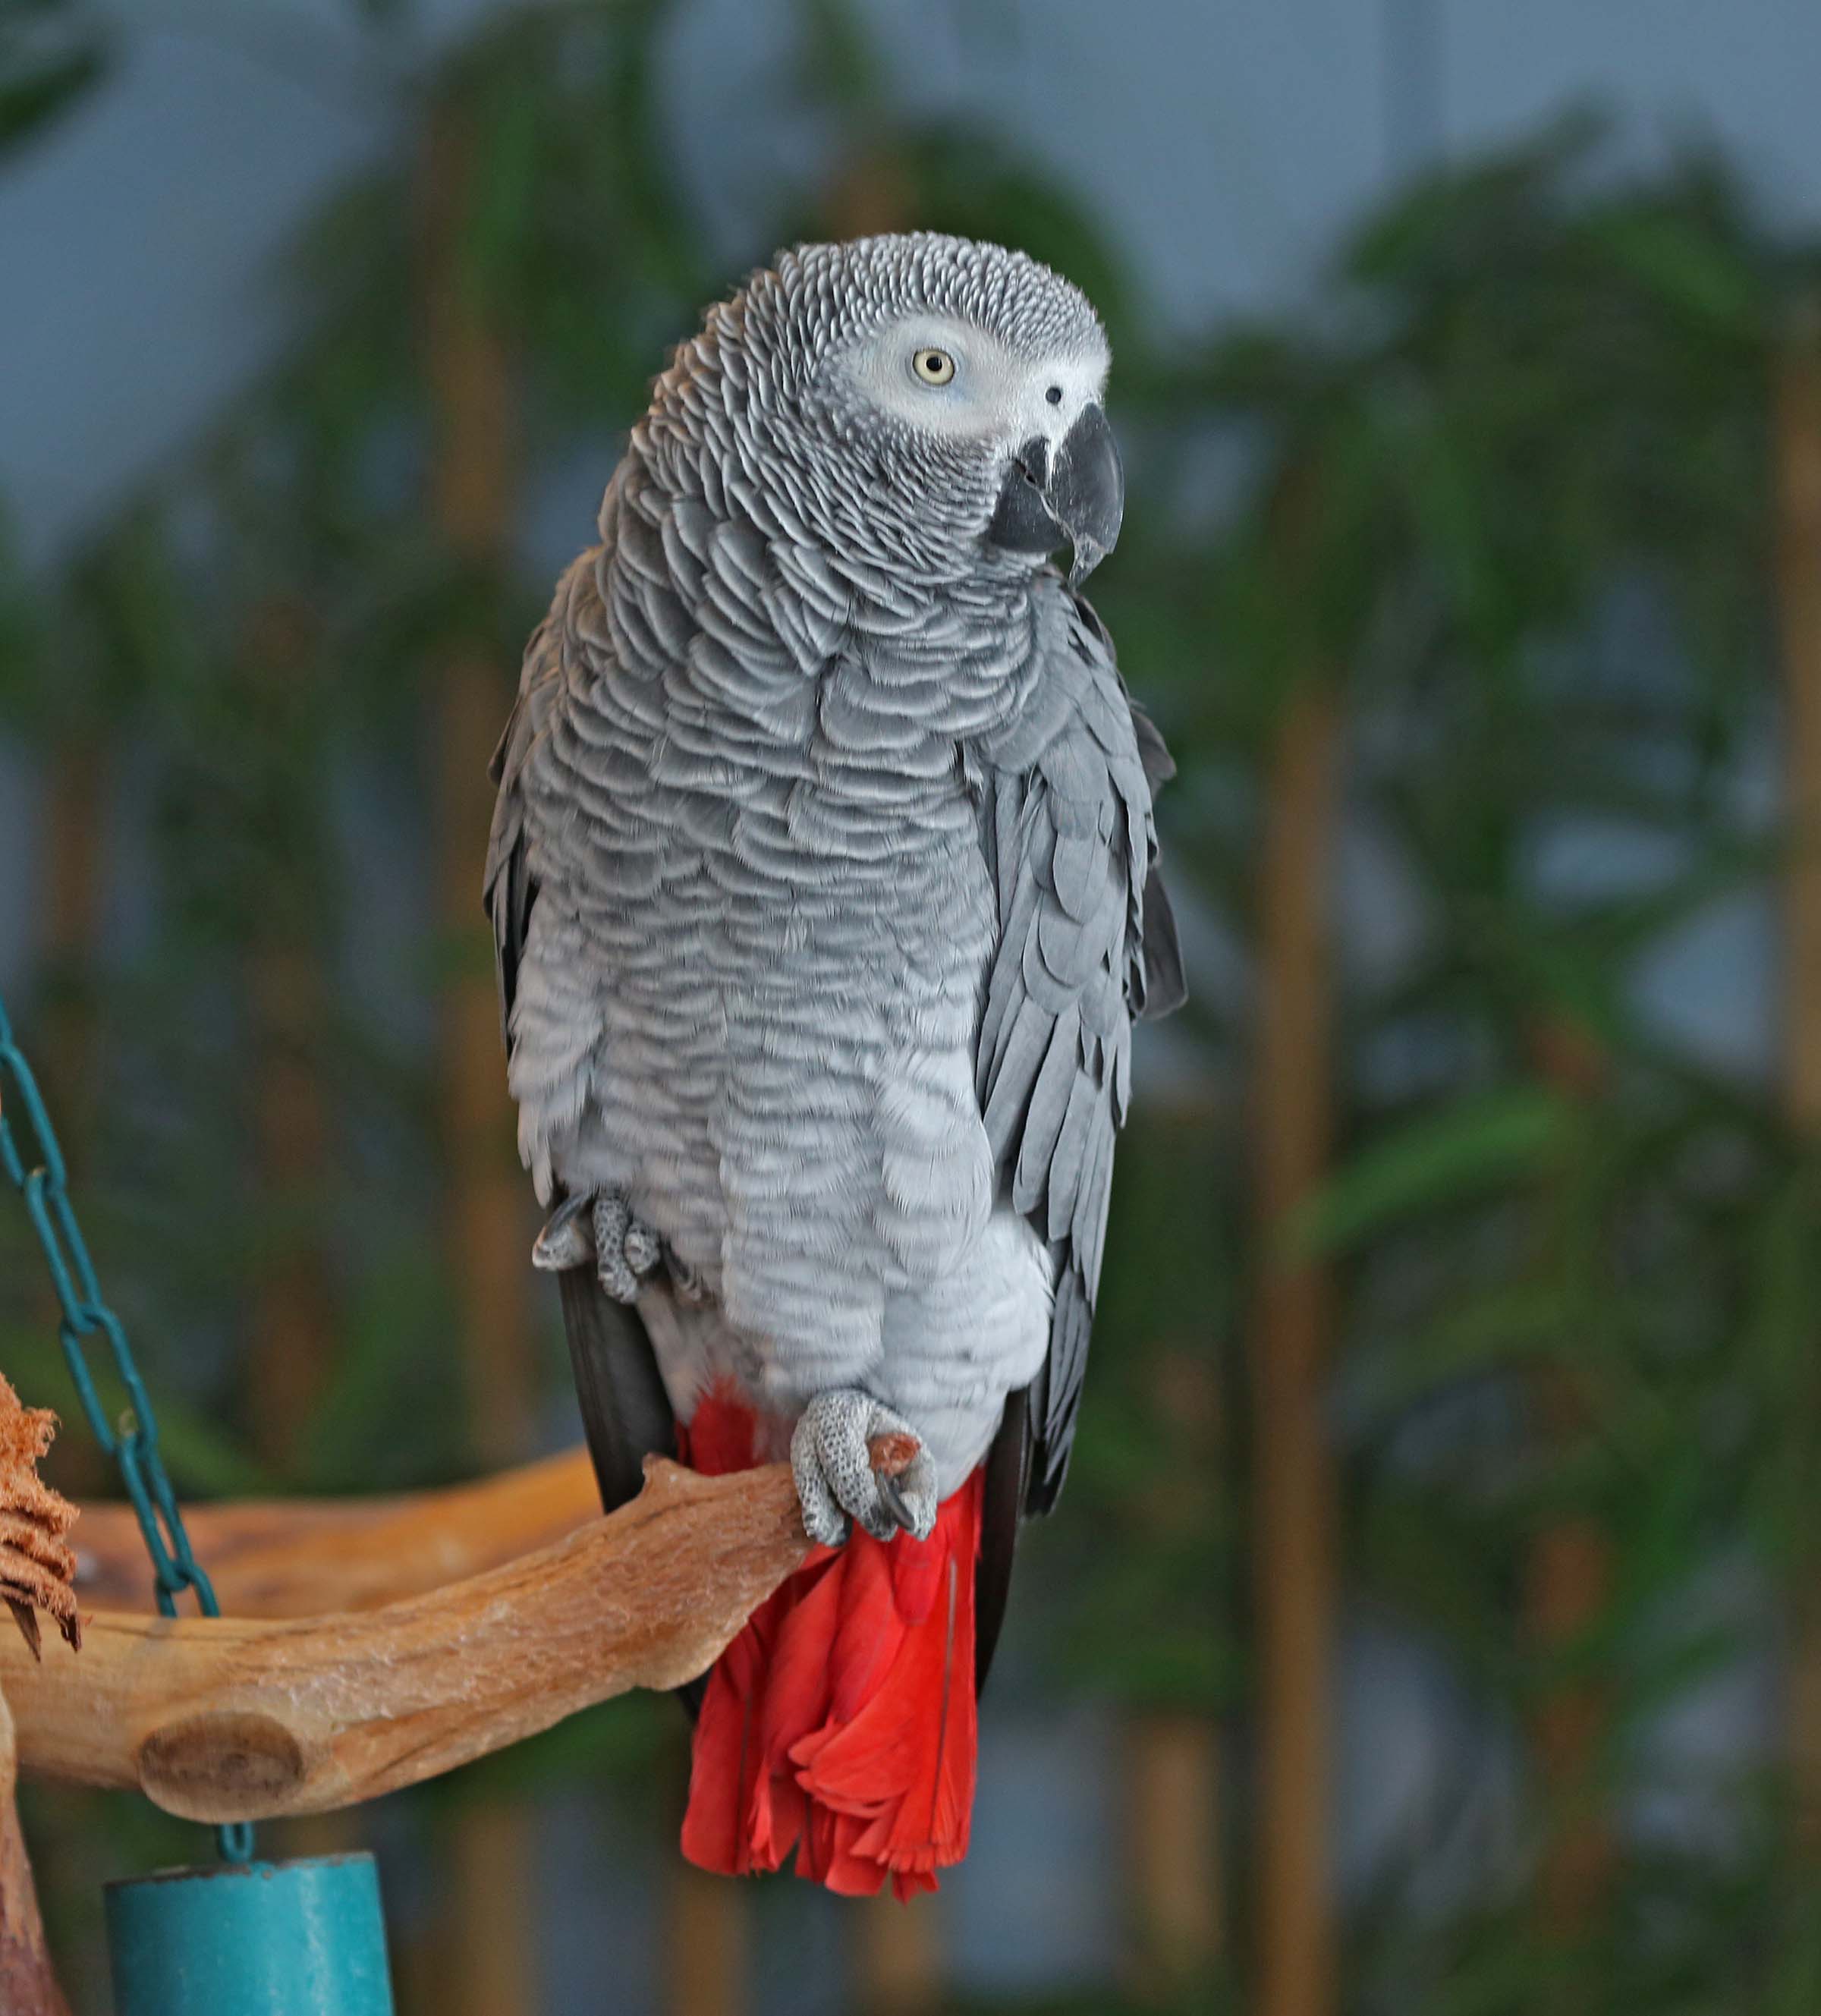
(941, 399)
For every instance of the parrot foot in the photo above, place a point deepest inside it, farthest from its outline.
(626, 1249)
(601, 1228)
(835, 1479)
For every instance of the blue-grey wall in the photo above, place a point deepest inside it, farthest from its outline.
(1224, 140)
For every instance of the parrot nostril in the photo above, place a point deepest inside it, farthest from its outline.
(1054, 395)
(1032, 460)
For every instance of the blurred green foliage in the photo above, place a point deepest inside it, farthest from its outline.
(1507, 483)
(51, 53)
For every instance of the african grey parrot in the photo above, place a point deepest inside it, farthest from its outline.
(823, 882)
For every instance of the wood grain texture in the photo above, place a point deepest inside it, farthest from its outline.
(302, 1556)
(235, 1717)
(28, 1985)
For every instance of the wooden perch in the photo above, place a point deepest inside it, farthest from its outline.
(238, 1718)
(28, 1986)
(302, 1556)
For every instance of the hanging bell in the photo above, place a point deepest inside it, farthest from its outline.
(252, 1938)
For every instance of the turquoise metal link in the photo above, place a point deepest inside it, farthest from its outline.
(37, 1172)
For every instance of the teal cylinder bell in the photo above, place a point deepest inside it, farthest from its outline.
(254, 1939)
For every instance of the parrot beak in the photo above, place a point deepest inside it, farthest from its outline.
(1087, 491)
(1077, 494)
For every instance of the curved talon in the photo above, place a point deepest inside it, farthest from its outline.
(895, 1502)
(685, 1280)
(601, 1227)
(831, 1463)
(564, 1242)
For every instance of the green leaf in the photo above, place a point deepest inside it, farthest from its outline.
(500, 220)
(1495, 1327)
(1474, 1145)
(204, 1460)
(31, 98)
(840, 65)
(1688, 268)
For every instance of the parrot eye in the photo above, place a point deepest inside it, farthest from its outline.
(933, 367)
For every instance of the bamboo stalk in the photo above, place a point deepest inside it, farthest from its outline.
(1177, 1886)
(228, 1719)
(1567, 1585)
(1293, 1487)
(1172, 1795)
(77, 805)
(472, 486)
(293, 1328)
(708, 1943)
(1797, 429)
(898, 1964)
(492, 1936)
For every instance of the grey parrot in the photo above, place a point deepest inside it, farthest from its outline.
(823, 885)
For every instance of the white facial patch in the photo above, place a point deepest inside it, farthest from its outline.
(994, 395)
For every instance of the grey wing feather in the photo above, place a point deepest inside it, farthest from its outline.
(1087, 943)
(508, 888)
(1165, 988)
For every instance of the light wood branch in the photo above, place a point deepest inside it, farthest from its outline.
(302, 1556)
(28, 1985)
(237, 1718)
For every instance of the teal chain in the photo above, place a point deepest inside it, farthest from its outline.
(38, 1176)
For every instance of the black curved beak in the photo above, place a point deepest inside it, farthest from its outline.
(1077, 495)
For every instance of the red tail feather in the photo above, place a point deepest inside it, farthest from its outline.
(841, 1721)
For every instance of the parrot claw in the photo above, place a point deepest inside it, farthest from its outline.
(895, 1502)
(642, 1247)
(835, 1479)
(626, 1249)
(686, 1281)
(564, 1241)
(600, 1227)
